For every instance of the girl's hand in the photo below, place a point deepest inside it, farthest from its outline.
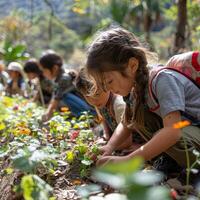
(111, 159)
(106, 150)
(46, 117)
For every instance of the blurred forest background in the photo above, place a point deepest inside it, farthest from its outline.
(28, 27)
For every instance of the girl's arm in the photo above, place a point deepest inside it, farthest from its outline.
(107, 131)
(164, 139)
(52, 106)
(119, 136)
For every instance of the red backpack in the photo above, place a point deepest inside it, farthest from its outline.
(188, 64)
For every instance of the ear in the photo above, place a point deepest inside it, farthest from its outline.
(133, 64)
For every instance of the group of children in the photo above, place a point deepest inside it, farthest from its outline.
(115, 82)
(48, 83)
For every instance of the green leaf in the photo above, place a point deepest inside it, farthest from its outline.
(35, 188)
(158, 193)
(39, 155)
(9, 170)
(87, 162)
(115, 181)
(70, 156)
(146, 178)
(125, 168)
(86, 190)
(27, 184)
(2, 126)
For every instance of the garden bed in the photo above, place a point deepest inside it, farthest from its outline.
(42, 161)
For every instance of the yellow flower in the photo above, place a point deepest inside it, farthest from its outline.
(78, 10)
(2, 126)
(21, 124)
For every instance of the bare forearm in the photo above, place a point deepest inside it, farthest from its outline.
(52, 106)
(166, 138)
(119, 136)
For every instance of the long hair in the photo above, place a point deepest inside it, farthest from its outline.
(111, 51)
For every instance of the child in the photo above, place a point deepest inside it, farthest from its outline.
(42, 88)
(3, 77)
(118, 62)
(16, 84)
(109, 106)
(64, 90)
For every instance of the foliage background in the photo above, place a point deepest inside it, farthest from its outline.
(68, 25)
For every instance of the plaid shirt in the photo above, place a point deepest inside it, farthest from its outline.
(108, 113)
(62, 85)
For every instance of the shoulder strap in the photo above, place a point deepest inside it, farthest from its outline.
(153, 75)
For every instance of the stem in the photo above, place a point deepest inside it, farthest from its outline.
(188, 167)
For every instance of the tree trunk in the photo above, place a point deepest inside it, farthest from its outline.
(179, 42)
(147, 24)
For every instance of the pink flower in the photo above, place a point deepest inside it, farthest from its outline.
(74, 135)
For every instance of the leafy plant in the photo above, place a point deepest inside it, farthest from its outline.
(14, 52)
(128, 178)
(34, 188)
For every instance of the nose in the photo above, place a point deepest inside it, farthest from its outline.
(109, 88)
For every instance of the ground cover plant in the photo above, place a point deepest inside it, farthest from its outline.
(46, 161)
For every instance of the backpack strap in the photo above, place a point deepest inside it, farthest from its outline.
(153, 75)
(195, 64)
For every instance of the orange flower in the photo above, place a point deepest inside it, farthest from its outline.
(23, 131)
(64, 109)
(181, 124)
(77, 182)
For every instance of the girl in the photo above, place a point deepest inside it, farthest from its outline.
(118, 62)
(42, 88)
(3, 77)
(64, 90)
(16, 84)
(109, 106)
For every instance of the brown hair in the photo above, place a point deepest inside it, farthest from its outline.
(111, 51)
(84, 82)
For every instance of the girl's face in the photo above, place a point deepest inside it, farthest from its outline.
(99, 100)
(121, 84)
(13, 74)
(31, 75)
